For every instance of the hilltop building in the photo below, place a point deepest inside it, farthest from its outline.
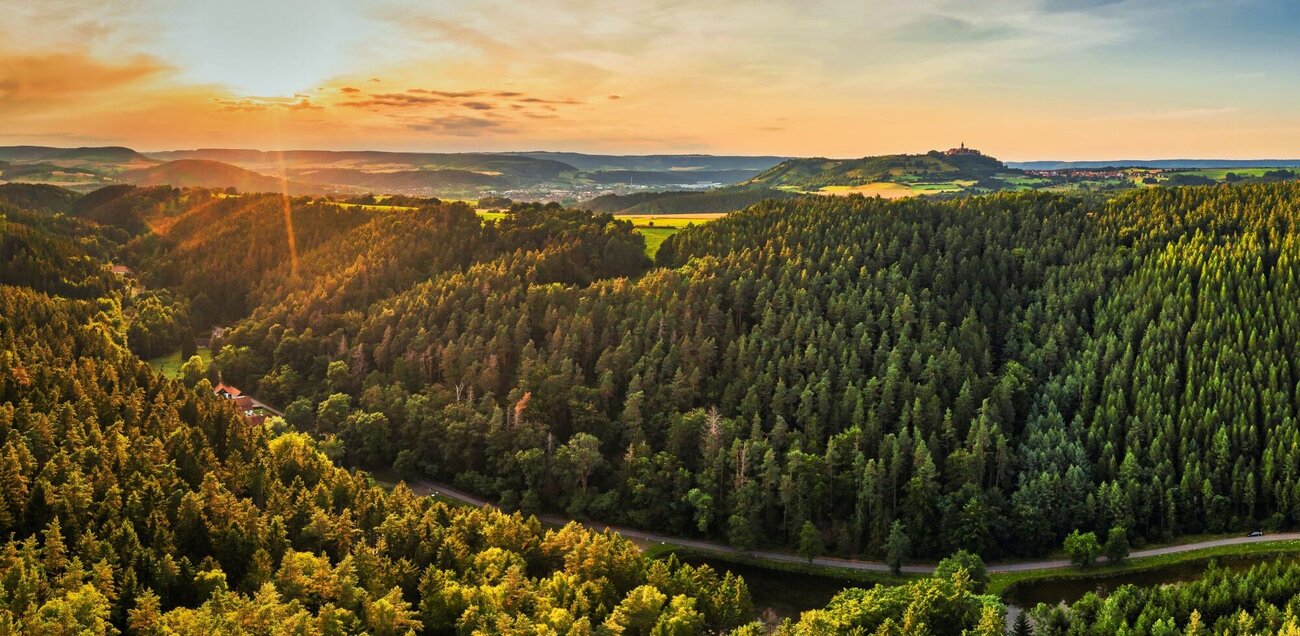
(962, 151)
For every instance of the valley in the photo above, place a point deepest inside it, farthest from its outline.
(649, 318)
(756, 393)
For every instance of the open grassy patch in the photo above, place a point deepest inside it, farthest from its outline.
(170, 364)
(490, 215)
(654, 237)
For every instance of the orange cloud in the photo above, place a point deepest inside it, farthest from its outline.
(35, 79)
(256, 104)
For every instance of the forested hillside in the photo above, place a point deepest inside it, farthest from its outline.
(688, 202)
(988, 373)
(814, 173)
(133, 503)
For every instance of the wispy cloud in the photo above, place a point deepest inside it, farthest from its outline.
(823, 77)
(1183, 114)
(262, 104)
(41, 78)
(458, 126)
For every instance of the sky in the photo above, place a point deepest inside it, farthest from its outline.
(1019, 79)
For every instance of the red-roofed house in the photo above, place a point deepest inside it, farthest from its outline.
(244, 403)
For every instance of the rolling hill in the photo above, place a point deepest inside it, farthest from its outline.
(813, 174)
(37, 197)
(654, 163)
(406, 181)
(1164, 164)
(106, 154)
(207, 174)
(670, 177)
(487, 163)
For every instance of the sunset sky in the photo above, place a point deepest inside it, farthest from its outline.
(1020, 79)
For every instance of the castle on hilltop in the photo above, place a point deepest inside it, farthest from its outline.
(962, 150)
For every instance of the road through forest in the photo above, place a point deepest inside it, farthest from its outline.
(426, 487)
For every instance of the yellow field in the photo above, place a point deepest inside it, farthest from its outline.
(669, 220)
(373, 206)
(883, 189)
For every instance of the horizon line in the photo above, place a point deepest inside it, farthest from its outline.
(1113, 162)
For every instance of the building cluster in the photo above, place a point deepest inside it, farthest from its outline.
(243, 402)
(1096, 174)
(961, 151)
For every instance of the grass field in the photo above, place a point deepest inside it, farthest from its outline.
(491, 215)
(941, 186)
(655, 228)
(1219, 174)
(170, 364)
(654, 237)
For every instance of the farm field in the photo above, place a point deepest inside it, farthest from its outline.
(669, 220)
(373, 207)
(941, 186)
(882, 189)
(1220, 174)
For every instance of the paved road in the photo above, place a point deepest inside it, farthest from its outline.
(426, 487)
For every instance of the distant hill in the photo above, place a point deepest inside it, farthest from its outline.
(41, 198)
(44, 171)
(402, 180)
(105, 154)
(206, 174)
(590, 163)
(670, 177)
(684, 202)
(1168, 164)
(510, 165)
(811, 174)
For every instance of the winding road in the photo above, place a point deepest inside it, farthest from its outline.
(426, 487)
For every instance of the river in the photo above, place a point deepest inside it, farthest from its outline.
(787, 594)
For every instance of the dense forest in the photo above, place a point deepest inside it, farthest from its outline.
(134, 503)
(986, 374)
(1264, 599)
(991, 373)
(684, 201)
